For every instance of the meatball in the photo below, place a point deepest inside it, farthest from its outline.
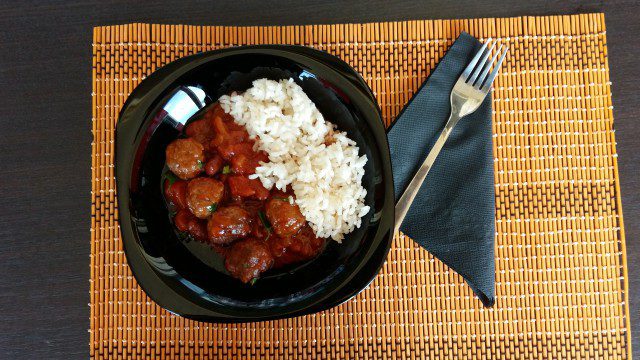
(228, 224)
(185, 158)
(278, 245)
(203, 196)
(247, 259)
(306, 244)
(302, 246)
(285, 218)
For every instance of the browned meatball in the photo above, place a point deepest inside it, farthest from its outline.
(228, 224)
(285, 218)
(247, 259)
(185, 158)
(302, 246)
(203, 196)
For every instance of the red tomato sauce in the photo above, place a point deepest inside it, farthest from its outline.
(213, 200)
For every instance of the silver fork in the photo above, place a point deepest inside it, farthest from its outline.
(468, 93)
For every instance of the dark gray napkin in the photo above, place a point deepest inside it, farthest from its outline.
(453, 215)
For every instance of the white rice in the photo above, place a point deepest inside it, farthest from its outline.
(326, 179)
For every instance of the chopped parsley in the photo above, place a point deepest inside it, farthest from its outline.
(212, 207)
(226, 170)
(264, 220)
(171, 177)
(253, 281)
(200, 165)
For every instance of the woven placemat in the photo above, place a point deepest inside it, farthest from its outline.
(561, 275)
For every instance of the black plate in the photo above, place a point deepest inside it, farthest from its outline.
(185, 277)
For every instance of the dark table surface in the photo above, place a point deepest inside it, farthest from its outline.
(45, 136)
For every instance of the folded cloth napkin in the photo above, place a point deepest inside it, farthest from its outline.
(453, 215)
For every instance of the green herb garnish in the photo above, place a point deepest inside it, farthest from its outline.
(212, 207)
(226, 170)
(172, 213)
(253, 281)
(171, 177)
(200, 165)
(264, 220)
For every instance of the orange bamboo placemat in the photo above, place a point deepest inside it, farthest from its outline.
(561, 275)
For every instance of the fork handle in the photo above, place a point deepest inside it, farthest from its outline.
(403, 205)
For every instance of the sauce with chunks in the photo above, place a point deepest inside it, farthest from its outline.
(212, 200)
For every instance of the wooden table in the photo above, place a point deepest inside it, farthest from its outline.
(45, 87)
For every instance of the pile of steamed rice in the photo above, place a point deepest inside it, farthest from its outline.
(319, 163)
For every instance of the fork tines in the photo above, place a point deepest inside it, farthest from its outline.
(477, 72)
